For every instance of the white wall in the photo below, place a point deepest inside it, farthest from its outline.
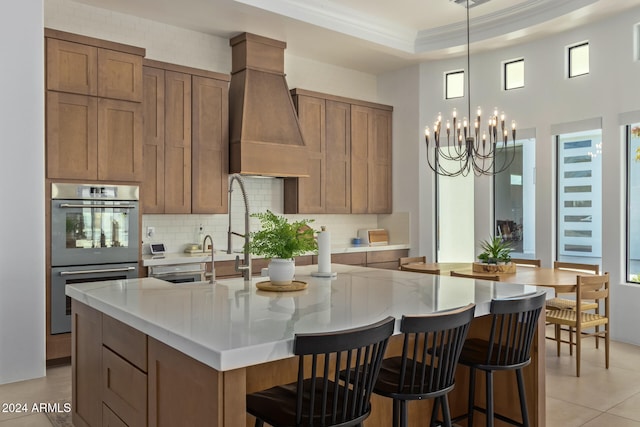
(22, 297)
(547, 99)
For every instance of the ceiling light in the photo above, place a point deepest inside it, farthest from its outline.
(469, 148)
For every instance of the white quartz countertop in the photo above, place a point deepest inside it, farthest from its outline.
(231, 324)
(184, 258)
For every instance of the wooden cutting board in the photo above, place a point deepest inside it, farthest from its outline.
(378, 237)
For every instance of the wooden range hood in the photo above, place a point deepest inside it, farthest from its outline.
(265, 136)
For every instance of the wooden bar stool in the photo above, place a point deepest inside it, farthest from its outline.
(427, 367)
(508, 347)
(319, 397)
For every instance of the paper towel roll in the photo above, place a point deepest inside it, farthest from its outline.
(324, 251)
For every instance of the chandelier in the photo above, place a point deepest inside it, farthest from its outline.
(461, 146)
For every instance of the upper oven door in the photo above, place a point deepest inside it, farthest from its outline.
(93, 231)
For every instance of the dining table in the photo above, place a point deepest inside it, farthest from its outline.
(561, 280)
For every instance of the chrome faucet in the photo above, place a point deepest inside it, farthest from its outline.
(246, 267)
(212, 280)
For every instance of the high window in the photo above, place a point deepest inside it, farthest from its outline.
(578, 59)
(579, 193)
(454, 84)
(633, 203)
(514, 198)
(513, 72)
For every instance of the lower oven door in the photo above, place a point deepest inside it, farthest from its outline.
(62, 276)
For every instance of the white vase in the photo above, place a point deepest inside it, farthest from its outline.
(281, 271)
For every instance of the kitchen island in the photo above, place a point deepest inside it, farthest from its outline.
(147, 352)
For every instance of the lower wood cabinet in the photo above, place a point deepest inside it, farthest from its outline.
(386, 259)
(109, 363)
(177, 386)
(111, 391)
(124, 389)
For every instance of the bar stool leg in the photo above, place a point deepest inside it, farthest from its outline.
(472, 393)
(446, 413)
(404, 418)
(396, 413)
(259, 423)
(489, 392)
(523, 398)
(434, 412)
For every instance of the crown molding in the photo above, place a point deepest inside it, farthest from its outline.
(332, 16)
(508, 20)
(335, 17)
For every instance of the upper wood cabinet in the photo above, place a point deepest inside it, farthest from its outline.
(326, 131)
(370, 160)
(210, 145)
(186, 139)
(119, 140)
(177, 143)
(338, 154)
(72, 136)
(72, 67)
(152, 193)
(307, 194)
(88, 66)
(349, 143)
(93, 138)
(94, 115)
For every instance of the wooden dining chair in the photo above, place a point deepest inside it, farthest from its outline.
(483, 276)
(526, 262)
(560, 303)
(411, 259)
(593, 288)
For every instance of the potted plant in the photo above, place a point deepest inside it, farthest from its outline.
(281, 241)
(496, 257)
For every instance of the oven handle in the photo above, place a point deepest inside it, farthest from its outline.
(78, 205)
(106, 270)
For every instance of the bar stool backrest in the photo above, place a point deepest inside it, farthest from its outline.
(353, 354)
(513, 326)
(432, 346)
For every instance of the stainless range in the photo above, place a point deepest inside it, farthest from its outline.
(94, 237)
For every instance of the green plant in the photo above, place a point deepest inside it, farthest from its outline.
(279, 238)
(495, 251)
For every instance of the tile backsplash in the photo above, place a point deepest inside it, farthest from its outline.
(176, 231)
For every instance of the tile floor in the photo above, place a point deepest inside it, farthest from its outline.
(599, 398)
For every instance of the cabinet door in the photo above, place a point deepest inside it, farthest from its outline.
(178, 381)
(361, 134)
(72, 67)
(119, 140)
(119, 75)
(72, 145)
(86, 361)
(124, 389)
(177, 143)
(210, 146)
(311, 189)
(380, 163)
(153, 151)
(338, 158)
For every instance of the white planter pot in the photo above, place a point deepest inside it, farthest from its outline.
(281, 271)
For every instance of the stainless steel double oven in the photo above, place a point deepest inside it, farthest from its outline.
(94, 237)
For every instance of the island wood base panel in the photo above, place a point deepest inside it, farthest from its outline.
(180, 390)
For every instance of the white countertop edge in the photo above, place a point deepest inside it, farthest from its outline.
(184, 258)
(228, 359)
